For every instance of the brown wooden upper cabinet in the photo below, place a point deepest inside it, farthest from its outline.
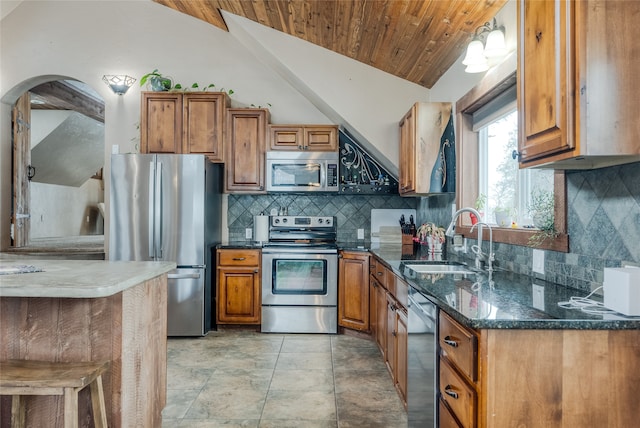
(577, 96)
(174, 122)
(426, 148)
(245, 147)
(319, 138)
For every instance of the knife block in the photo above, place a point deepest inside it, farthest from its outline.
(407, 239)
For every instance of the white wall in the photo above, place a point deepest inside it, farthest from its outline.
(66, 211)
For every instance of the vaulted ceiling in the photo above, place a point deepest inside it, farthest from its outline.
(416, 40)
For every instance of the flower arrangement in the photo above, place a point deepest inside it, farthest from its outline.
(430, 233)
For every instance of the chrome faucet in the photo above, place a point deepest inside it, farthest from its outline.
(452, 227)
(490, 257)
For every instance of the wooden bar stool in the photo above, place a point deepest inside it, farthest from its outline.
(25, 377)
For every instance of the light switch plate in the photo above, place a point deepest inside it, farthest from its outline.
(248, 233)
(360, 233)
(538, 262)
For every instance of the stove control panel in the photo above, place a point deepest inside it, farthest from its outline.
(302, 221)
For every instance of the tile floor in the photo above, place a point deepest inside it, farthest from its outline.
(249, 379)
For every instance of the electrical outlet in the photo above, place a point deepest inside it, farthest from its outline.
(360, 233)
(538, 296)
(248, 233)
(538, 262)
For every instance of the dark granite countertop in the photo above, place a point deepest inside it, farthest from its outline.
(510, 301)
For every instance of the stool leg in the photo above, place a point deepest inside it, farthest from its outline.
(70, 407)
(18, 413)
(97, 403)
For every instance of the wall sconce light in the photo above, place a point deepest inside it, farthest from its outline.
(479, 54)
(119, 84)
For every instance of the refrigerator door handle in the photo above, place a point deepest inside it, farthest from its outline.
(158, 211)
(183, 276)
(152, 252)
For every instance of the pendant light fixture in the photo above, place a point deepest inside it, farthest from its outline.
(479, 54)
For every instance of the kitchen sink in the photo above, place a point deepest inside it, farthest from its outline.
(438, 268)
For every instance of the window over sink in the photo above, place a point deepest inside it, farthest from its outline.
(487, 128)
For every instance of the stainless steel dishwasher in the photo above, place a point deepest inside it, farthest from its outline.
(422, 354)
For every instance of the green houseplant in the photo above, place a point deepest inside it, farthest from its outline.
(542, 213)
(156, 81)
(481, 200)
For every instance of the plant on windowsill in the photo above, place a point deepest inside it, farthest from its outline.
(481, 200)
(543, 215)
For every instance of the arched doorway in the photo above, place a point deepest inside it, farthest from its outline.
(58, 136)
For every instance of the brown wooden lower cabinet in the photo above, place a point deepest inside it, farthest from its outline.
(381, 318)
(494, 378)
(353, 290)
(539, 378)
(388, 321)
(238, 287)
(445, 418)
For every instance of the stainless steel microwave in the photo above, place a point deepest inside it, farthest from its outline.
(302, 171)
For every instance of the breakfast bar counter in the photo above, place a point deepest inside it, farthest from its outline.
(76, 311)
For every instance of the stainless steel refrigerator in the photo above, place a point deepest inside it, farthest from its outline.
(169, 207)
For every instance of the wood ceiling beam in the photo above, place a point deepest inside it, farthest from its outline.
(63, 96)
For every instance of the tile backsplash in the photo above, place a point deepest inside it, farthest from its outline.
(352, 212)
(603, 217)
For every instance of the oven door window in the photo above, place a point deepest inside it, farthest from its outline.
(296, 175)
(299, 277)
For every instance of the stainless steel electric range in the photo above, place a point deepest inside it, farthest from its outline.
(300, 275)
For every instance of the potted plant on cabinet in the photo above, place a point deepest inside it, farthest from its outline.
(156, 81)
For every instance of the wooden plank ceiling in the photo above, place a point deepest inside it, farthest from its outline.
(416, 40)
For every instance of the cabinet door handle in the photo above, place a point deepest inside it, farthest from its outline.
(380, 273)
(516, 155)
(300, 147)
(256, 271)
(393, 333)
(450, 342)
(450, 392)
(239, 259)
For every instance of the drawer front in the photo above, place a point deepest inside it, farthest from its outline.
(238, 257)
(379, 274)
(459, 396)
(402, 292)
(390, 281)
(459, 345)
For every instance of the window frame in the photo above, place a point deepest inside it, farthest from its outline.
(493, 84)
